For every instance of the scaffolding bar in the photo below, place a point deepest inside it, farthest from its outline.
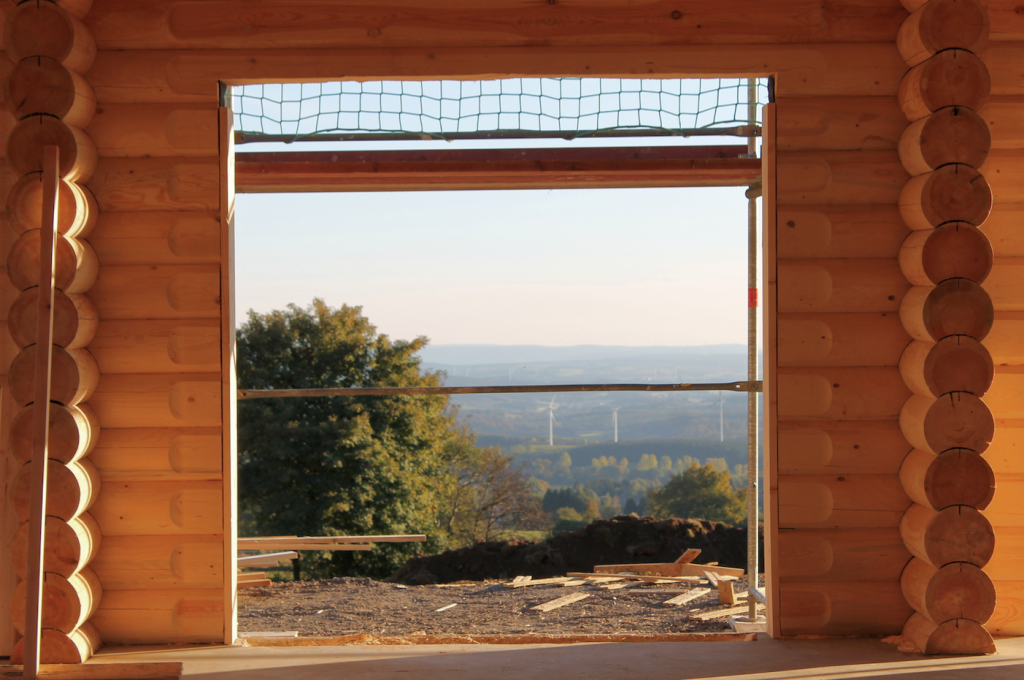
(748, 386)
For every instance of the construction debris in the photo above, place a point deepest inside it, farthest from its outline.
(560, 602)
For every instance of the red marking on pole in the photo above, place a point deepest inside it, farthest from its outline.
(751, 297)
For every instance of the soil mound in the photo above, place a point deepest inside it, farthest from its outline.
(620, 540)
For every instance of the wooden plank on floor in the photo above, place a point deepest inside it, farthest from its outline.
(168, 670)
(686, 597)
(731, 611)
(559, 602)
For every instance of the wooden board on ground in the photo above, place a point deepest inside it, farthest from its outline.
(538, 582)
(574, 582)
(721, 613)
(726, 595)
(638, 577)
(170, 670)
(560, 602)
(258, 583)
(268, 560)
(689, 556)
(520, 579)
(686, 597)
(668, 569)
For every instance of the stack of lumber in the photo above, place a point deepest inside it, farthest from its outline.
(52, 102)
(949, 312)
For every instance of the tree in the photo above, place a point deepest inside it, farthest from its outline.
(484, 493)
(701, 492)
(337, 465)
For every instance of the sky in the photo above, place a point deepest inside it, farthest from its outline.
(632, 267)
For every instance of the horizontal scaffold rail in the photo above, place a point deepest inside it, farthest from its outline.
(748, 386)
(452, 170)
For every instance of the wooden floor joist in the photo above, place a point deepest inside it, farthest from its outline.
(684, 166)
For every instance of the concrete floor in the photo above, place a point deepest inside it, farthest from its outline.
(765, 659)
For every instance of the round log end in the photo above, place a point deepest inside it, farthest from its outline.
(954, 134)
(946, 24)
(39, 29)
(58, 648)
(67, 602)
(958, 363)
(957, 307)
(957, 250)
(959, 477)
(23, 262)
(960, 591)
(30, 136)
(952, 193)
(74, 431)
(75, 319)
(959, 534)
(950, 78)
(958, 420)
(73, 376)
(76, 214)
(960, 637)
(44, 85)
(69, 546)
(71, 489)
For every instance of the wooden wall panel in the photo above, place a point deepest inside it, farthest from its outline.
(158, 508)
(155, 454)
(140, 184)
(157, 238)
(840, 231)
(144, 130)
(153, 616)
(135, 563)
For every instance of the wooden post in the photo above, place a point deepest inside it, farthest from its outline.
(44, 328)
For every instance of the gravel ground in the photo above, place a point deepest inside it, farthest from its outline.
(345, 606)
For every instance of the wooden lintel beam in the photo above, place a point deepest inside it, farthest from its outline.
(686, 166)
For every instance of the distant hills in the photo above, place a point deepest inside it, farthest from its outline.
(462, 355)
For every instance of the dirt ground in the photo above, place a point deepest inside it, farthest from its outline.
(345, 606)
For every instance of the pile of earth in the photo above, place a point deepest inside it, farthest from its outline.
(620, 540)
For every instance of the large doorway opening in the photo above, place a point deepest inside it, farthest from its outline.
(501, 159)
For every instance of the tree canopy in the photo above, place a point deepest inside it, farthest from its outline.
(337, 465)
(701, 492)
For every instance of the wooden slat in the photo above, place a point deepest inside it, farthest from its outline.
(559, 602)
(41, 420)
(684, 598)
(228, 379)
(148, 24)
(494, 169)
(258, 542)
(722, 613)
(166, 670)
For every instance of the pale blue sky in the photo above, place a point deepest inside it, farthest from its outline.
(560, 267)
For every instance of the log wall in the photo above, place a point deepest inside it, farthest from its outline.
(860, 308)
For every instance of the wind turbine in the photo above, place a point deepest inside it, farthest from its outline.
(721, 416)
(615, 423)
(551, 422)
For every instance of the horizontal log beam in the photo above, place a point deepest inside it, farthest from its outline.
(494, 169)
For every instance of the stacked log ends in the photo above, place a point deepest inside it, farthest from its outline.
(947, 313)
(956, 591)
(57, 647)
(47, 93)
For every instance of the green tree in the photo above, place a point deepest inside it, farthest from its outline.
(701, 492)
(337, 465)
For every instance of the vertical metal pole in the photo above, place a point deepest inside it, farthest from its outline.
(41, 417)
(752, 303)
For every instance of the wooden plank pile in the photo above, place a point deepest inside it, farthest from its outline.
(636, 579)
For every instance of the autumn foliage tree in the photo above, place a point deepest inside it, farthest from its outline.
(700, 492)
